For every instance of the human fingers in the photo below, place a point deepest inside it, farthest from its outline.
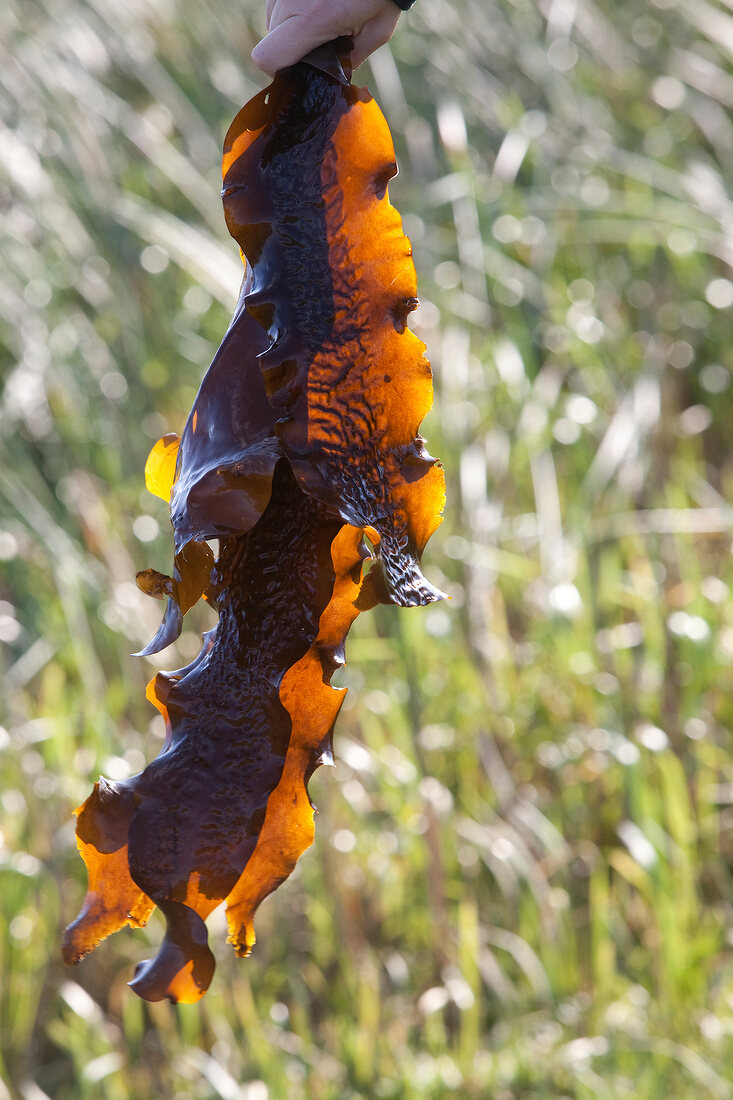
(287, 43)
(309, 23)
(374, 34)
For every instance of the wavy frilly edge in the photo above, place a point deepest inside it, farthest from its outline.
(313, 705)
(318, 363)
(184, 966)
(217, 476)
(306, 168)
(303, 439)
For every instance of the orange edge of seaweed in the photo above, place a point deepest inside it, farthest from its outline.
(284, 836)
(285, 833)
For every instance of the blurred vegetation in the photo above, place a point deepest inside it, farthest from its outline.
(521, 883)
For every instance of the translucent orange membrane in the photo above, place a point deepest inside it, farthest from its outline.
(303, 437)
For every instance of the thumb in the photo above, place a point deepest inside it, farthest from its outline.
(375, 33)
(287, 43)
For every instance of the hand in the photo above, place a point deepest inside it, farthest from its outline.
(297, 26)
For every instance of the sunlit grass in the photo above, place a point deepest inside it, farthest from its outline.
(521, 881)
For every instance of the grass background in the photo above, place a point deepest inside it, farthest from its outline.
(521, 883)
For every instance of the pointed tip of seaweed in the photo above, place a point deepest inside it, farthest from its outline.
(167, 632)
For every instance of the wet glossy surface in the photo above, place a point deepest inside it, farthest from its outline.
(306, 167)
(302, 437)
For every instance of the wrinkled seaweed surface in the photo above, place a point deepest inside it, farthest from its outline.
(302, 440)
